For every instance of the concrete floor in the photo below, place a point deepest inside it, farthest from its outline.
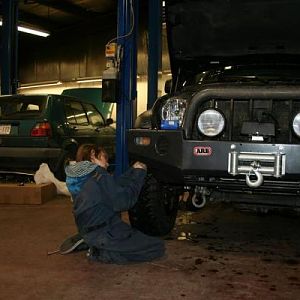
(218, 253)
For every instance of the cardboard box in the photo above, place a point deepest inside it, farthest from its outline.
(29, 193)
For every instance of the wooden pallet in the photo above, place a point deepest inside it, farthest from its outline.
(29, 193)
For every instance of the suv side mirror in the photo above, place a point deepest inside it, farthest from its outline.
(109, 121)
(168, 86)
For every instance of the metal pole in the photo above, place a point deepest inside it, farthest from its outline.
(127, 80)
(9, 53)
(154, 49)
(134, 63)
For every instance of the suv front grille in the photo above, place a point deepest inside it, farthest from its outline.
(236, 111)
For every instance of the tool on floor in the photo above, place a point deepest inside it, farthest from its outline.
(53, 252)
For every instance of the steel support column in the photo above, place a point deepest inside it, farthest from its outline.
(154, 48)
(9, 54)
(127, 11)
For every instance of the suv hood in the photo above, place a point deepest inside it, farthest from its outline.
(210, 32)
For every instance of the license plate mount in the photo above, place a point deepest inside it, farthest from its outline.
(5, 129)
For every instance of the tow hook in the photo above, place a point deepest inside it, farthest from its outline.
(259, 177)
(199, 197)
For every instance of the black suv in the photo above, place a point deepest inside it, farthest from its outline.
(230, 125)
(48, 128)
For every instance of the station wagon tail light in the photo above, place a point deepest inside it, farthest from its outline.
(41, 129)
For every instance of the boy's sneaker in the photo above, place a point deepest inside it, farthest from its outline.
(93, 254)
(73, 243)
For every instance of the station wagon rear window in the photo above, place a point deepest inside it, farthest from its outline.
(26, 107)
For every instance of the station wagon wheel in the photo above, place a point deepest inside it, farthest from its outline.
(156, 210)
(69, 155)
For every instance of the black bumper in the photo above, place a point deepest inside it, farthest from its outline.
(176, 160)
(27, 158)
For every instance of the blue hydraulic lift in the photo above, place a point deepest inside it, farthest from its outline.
(154, 50)
(127, 17)
(9, 48)
(128, 70)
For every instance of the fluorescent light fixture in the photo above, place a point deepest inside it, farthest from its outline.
(25, 29)
(85, 80)
(39, 85)
(33, 31)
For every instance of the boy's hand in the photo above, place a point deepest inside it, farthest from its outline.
(139, 165)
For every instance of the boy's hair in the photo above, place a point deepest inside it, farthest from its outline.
(84, 152)
(102, 151)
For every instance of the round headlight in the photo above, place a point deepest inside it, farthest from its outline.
(296, 124)
(211, 122)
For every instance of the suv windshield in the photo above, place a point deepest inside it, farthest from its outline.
(22, 107)
(250, 73)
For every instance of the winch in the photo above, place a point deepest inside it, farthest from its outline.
(256, 164)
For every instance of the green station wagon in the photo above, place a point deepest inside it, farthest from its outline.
(37, 129)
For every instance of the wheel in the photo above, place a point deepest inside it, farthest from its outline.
(60, 174)
(155, 211)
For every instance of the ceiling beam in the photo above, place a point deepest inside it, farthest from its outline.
(69, 8)
(32, 19)
(100, 22)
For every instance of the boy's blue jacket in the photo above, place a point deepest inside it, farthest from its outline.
(98, 199)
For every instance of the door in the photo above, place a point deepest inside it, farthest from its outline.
(104, 135)
(78, 123)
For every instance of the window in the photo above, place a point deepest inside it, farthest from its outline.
(32, 107)
(24, 107)
(70, 114)
(94, 116)
(75, 113)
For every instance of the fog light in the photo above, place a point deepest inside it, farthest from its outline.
(211, 122)
(142, 141)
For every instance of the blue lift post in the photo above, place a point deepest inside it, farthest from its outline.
(154, 49)
(127, 86)
(9, 55)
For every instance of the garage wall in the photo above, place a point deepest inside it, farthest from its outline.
(68, 56)
(62, 59)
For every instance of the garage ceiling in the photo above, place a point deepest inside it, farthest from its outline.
(79, 31)
(61, 15)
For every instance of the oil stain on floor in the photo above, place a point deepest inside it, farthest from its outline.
(255, 252)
